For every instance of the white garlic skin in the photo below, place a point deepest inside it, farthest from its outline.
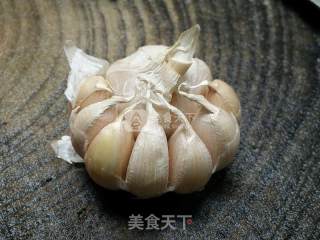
(220, 133)
(91, 91)
(197, 73)
(108, 154)
(157, 158)
(189, 170)
(148, 169)
(222, 95)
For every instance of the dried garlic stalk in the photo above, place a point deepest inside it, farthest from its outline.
(130, 121)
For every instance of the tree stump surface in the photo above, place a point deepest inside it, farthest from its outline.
(267, 50)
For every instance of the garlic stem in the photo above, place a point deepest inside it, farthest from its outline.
(201, 84)
(199, 99)
(179, 114)
(184, 48)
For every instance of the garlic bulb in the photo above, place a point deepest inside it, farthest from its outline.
(152, 122)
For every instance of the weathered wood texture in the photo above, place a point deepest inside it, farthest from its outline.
(268, 50)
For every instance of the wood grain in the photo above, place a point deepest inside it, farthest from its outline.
(267, 50)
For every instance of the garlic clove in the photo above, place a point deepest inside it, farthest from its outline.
(190, 162)
(218, 129)
(197, 73)
(78, 145)
(220, 133)
(95, 97)
(107, 117)
(108, 154)
(222, 95)
(89, 86)
(83, 136)
(81, 121)
(147, 173)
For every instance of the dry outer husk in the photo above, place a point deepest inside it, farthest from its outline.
(130, 120)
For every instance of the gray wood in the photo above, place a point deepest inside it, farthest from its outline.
(268, 50)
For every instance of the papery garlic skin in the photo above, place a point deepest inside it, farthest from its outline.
(220, 133)
(82, 66)
(190, 170)
(188, 124)
(222, 95)
(107, 156)
(197, 73)
(83, 120)
(94, 89)
(148, 169)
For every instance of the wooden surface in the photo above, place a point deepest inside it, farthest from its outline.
(267, 50)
